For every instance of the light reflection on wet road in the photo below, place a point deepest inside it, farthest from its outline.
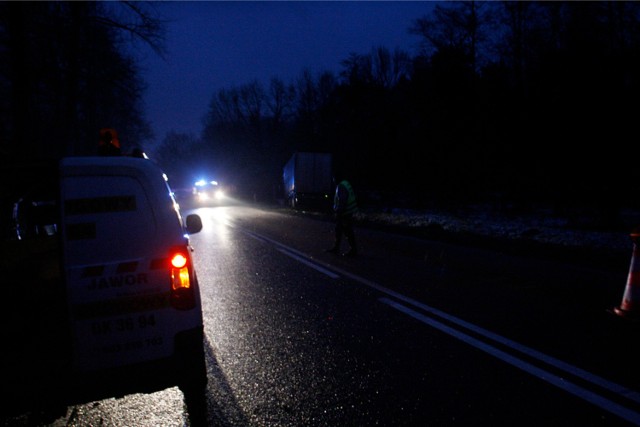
(291, 345)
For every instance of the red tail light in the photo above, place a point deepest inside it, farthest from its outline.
(182, 292)
(178, 260)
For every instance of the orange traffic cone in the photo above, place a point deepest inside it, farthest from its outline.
(630, 306)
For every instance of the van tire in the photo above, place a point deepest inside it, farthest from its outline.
(194, 388)
(193, 374)
(195, 400)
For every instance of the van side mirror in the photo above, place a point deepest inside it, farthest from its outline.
(194, 224)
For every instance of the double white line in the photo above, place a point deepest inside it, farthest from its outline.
(486, 341)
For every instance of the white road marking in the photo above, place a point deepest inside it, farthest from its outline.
(295, 254)
(587, 395)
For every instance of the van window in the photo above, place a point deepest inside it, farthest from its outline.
(108, 218)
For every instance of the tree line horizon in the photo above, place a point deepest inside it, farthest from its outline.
(513, 102)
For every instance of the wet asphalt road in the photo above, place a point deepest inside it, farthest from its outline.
(411, 332)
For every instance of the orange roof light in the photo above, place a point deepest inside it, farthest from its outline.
(109, 136)
(109, 144)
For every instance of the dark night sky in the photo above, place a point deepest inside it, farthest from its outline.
(214, 45)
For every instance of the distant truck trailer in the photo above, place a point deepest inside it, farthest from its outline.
(308, 180)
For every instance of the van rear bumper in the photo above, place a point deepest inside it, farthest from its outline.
(186, 368)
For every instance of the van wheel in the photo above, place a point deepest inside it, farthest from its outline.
(194, 389)
(195, 400)
(192, 373)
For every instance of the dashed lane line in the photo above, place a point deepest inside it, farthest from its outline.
(427, 317)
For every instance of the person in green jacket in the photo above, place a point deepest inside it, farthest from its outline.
(344, 207)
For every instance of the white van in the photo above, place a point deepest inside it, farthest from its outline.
(124, 275)
(133, 296)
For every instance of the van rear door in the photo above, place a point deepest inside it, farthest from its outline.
(116, 249)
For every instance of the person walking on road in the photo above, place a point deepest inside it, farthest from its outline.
(344, 207)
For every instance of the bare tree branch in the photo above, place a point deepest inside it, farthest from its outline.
(139, 23)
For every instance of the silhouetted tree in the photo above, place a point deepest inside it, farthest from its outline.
(458, 26)
(65, 76)
(247, 132)
(520, 102)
